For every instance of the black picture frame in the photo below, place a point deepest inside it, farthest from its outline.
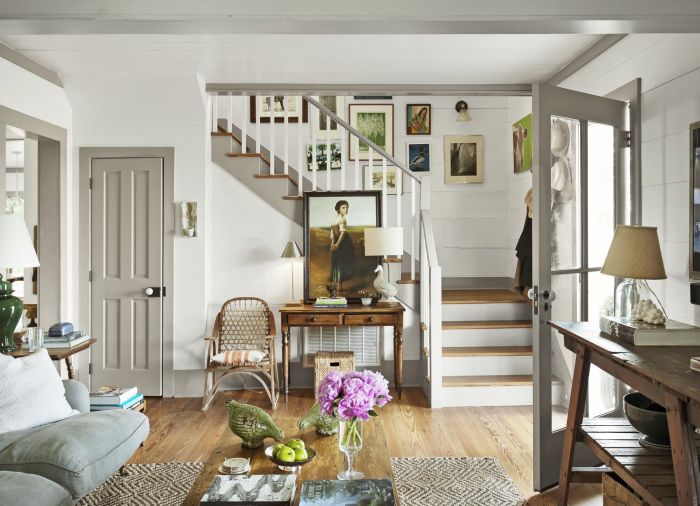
(278, 119)
(318, 264)
(694, 200)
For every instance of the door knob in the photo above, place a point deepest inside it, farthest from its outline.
(370, 319)
(154, 291)
(149, 291)
(531, 294)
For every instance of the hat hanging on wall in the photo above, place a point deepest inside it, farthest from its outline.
(560, 138)
(462, 109)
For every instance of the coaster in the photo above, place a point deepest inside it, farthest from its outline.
(240, 470)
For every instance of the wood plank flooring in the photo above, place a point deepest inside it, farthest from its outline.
(181, 432)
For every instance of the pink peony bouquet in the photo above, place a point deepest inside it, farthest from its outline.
(353, 395)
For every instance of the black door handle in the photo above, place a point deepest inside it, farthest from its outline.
(154, 291)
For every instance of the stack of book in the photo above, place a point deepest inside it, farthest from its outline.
(66, 341)
(326, 302)
(116, 398)
(639, 333)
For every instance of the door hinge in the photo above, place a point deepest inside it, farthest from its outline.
(90, 276)
(90, 183)
(90, 368)
(626, 139)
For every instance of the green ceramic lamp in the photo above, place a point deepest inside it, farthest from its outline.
(16, 250)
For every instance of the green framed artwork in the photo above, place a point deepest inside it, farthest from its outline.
(522, 144)
(376, 122)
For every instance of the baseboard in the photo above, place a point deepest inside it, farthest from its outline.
(191, 383)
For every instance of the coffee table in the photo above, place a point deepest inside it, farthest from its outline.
(373, 459)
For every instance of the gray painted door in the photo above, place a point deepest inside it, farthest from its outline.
(126, 256)
(578, 160)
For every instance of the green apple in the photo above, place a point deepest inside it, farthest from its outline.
(300, 454)
(286, 454)
(296, 443)
(277, 448)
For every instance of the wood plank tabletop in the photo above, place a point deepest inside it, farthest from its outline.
(57, 353)
(373, 459)
(352, 308)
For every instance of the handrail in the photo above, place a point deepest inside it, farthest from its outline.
(357, 134)
(431, 250)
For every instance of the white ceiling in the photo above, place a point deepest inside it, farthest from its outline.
(328, 59)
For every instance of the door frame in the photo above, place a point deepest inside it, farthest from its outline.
(168, 156)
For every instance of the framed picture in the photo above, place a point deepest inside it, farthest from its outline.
(464, 159)
(335, 104)
(334, 245)
(374, 179)
(322, 156)
(522, 144)
(418, 156)
(695, 200)
(281, 103)
(375, 121)
(418, 119)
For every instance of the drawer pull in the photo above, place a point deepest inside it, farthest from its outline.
(311, 319)
(370, 319)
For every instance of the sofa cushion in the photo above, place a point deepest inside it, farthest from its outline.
(22, 488)
(79, 452)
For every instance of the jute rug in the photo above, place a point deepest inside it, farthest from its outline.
(462, 481)
(146, 485)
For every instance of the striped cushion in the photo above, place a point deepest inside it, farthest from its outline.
(239, 358)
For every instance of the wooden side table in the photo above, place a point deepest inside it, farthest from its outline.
(60, 354)
(356, 315)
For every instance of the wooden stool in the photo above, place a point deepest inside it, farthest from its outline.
(327, 361)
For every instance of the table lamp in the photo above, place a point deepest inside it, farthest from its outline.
(384, 241)
(16, 250)
(292, 251)
(635, 256)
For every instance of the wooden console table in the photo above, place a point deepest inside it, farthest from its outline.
(59, 354)
(356, 315)
(662, 373)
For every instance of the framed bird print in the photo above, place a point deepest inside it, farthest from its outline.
(418, 156)
(296, 111)
(334, 244)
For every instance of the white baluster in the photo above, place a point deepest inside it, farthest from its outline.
(312, 124)
(258, 112)
(273, 115)
(385, 194)
(328, 152)
(230, 121)
(342, 161)
(414, 229)
(369, 177)
(301, 167)
(286, 137)
(356, 140)
(399, 191)
(244, 126)
(214, 112)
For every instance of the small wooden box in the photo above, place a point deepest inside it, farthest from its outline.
(616, 493)
(327, 361)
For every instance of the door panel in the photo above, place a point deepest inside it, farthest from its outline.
(576, 162)
(126, 254)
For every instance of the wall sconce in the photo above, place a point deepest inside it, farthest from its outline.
(188, 218)
(462, 109)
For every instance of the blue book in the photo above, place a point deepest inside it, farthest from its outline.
(124, 405)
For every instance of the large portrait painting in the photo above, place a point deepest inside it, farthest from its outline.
(376, 122)
(334, 225)
(279, 104)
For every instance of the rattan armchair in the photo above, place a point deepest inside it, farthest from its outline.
(242, 324)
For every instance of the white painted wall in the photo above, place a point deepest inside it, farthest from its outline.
(670, 75)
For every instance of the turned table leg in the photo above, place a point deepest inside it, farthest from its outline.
(69, 367)
(398, 358)
(285, 361)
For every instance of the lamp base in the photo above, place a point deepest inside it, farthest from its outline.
(10, 313)
(627, 294)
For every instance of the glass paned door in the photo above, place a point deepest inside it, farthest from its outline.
(577, 157)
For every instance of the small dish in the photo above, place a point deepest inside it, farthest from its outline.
(243, 470)
(292, 467)
(235, 466)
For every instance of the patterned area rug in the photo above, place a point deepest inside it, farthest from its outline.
(146, 485)
(463, 481)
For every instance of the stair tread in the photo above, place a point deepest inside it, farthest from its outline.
(487, 324)
(486, 351)
(293, 197)
(483, 296)
(484, 381)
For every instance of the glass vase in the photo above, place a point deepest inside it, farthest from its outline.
(350, 442)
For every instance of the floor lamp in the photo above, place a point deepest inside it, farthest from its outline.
(292, 252)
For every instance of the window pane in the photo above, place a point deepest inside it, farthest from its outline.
(601, 191)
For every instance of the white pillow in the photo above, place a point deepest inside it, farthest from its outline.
(31, 392)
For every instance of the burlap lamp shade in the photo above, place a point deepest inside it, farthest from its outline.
(635, 253)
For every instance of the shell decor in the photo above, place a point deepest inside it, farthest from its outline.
(648, 312)
(325, 425)
(251, 424)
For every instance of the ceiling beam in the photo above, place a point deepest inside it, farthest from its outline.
(9, 54)
(590, 54)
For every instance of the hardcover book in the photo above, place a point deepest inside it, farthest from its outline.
(640, 333)
(127, 404)
(374, 492)
(257, 490)
(112, 395)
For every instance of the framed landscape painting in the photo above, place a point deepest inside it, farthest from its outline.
(322, 156)
(418, 119)
(418, 156)
(281, 103)
(374, 179)
(374, 121)
(334, 245)
(325, 126)
(464, 159)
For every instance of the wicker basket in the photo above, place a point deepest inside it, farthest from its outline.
(616, 493)
(327, 361)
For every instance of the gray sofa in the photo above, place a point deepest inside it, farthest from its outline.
(78, 453)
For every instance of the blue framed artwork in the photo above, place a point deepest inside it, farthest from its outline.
(418, 156)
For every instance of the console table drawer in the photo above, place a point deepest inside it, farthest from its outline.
(377, 319)
(309, 320)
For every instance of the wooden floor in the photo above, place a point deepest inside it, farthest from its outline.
(181, 432)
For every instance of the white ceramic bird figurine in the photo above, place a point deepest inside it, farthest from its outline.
(384, 287)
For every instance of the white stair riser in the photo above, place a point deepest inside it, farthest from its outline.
(486, 366)
(459, 312)
(487, 337)
(492, 396)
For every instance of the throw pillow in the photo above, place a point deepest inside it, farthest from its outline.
(239, 358)
(31, 392)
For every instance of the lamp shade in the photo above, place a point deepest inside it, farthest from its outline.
(382, 241)
(291, 250)
(635, 253)
(16, 249)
